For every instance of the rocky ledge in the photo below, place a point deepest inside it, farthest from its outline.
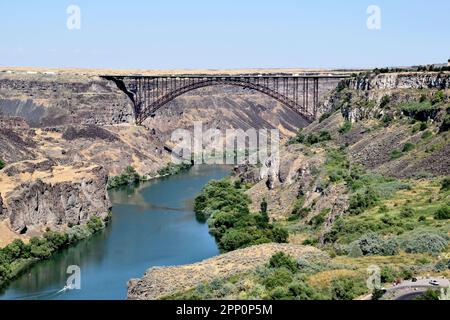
(162, 281)
(40, 194)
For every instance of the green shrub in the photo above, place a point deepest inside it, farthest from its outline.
(385, 101)
(427, 134)
(430, 295)
(443, 213)
(372, 244)
(423, 126)
(303, 291)
(280, 259)
(445, 184)
(40, 248)
(347, 288)
(359, 202)
(299, 138)
(172, 169)
(2, 164)
(95, 224)
(407, 212)
(387, 275)
(426, 243)
(377, 294)
(395, 154)
(354, 250)
(319, 219)
(325, 116)
(438, 97)
(346, 127)
(408, 147)
(128, 177)
(442, 265)
(279, 277)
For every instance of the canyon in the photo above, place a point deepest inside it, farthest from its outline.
(64, 134)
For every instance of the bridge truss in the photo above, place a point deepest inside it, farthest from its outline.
(150, 93)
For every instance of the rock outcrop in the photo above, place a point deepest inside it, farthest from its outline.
(40, 194)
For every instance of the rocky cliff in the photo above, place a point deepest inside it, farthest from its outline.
(37, 194)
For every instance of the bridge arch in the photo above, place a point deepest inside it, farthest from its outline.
(150, 93)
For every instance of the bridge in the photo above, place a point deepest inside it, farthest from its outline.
(149, 93)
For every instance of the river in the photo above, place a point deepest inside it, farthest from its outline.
(152, 225)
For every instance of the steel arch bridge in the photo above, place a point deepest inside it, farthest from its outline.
(150, 93)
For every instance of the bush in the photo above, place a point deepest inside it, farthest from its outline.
(128, 177)
(430, 294)
(442, 265)
(445, 184)
(347, 288)
(95, 224)
(279, 277)
(387, 275)
(360, 202)
(423, 126)
(40, 248)
(407, 212)
(426, 243)
(426, 134)
(373, 244)
(385, 101)
(354, 250)
(443, 213)
(395, 154)
(2, 164)
(408, 147)
(280, 259)
(325, 116)
(303, 291)
(438, 97)
(346, 127)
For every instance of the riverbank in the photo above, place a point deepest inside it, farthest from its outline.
(153, 224)
(18, 257)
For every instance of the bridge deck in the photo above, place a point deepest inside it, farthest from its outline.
(246, 76)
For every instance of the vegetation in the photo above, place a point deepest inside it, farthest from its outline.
(346, 127)
(430, 294)
(283, 278)
(2, 164)
(225, 207)
(127, 178)
(311, 138)
(17, 255)
(173, 169)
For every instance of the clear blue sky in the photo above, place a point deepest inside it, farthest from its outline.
(171, 34)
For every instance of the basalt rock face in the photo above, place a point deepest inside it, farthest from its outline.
(390, 81)
(361, 97)
(40, 194)
(51, 100)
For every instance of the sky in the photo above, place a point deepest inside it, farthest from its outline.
(219, 34)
